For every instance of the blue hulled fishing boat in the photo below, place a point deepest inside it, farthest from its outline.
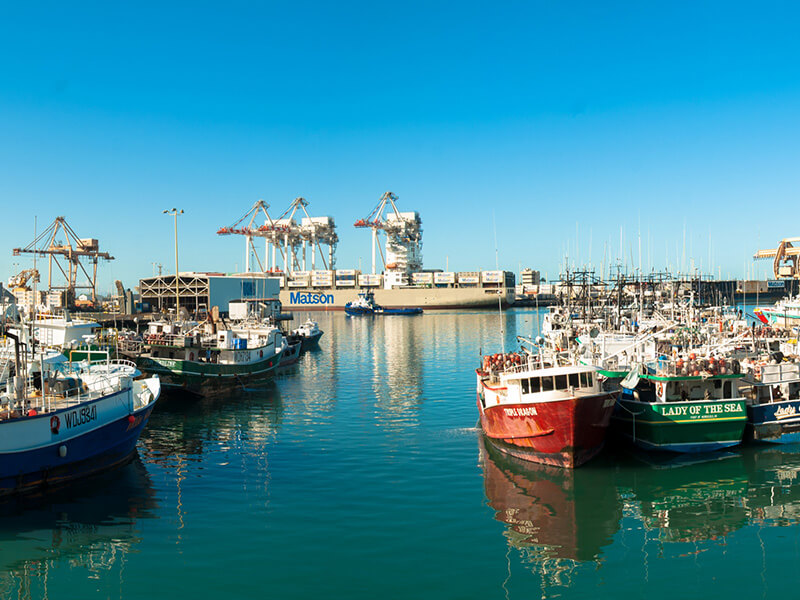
(772, 390)
(66, 420)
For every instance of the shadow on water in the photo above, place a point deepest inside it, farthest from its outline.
(92, 524)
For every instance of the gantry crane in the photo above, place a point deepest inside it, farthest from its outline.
(268, 230)
(785, 258)
(285, 236)
(314, 230)
(71, 251)
(403, 235)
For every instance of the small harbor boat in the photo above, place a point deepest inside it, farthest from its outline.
(365, 305)
(771, 388)
(686, 405)
(543, 409)
(308, 333)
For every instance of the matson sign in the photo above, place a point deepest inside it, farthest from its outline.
(309, 298)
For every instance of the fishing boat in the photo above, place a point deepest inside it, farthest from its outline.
(783, 314)
(771, 388)
(544, 409)
(190, 358)
(365, 305)
(70, 421)
(685, 405)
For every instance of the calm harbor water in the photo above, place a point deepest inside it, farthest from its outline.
(361, 474)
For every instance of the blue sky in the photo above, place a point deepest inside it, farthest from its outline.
(563, 126)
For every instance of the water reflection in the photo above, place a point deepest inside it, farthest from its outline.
(689, 502)
(183, 428)
(564, 524)
(91, 526)
(773, 497)
(555, 513)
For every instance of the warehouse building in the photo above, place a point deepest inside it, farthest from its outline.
(198, 292)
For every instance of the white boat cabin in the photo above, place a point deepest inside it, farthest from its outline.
(543, 385)
(771, 383)
(686, 390)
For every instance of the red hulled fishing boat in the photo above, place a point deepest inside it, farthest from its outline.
(543, 409)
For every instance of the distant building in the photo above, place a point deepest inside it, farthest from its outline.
(529, 277)
(203, 291)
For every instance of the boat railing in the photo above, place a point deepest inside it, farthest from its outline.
(696, 366)
(131, 346)
(769, 374)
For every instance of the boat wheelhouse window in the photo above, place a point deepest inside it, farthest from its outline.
(574, 380)
(536, 385)
(525, 386)
(561, 382)
(547, 384)
(726, 390)
(584, 382)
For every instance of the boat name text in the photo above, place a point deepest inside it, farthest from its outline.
(524, 411)
(701, 411)
(783, 412)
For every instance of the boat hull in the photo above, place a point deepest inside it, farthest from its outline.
(203, 378)
(310, 341)
(686, 427)
(291, 354)
(565, 433)
(86, 450)
(777, 422)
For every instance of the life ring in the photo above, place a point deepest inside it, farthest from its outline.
(260, 354)
(55, 424)
(191, 355)
(659, 389)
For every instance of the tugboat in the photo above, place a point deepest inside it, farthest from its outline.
(365, 305)
(542, 407)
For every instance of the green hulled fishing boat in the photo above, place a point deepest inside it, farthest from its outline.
(682, 406)
(202, 363)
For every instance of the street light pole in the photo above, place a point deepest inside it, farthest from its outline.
(175, 212)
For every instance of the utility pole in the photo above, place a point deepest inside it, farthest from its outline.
(175, 212)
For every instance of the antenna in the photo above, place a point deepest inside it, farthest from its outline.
(499, 295)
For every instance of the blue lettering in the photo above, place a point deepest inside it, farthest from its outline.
(307, 298)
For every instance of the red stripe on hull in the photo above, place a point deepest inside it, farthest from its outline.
(565, 433)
